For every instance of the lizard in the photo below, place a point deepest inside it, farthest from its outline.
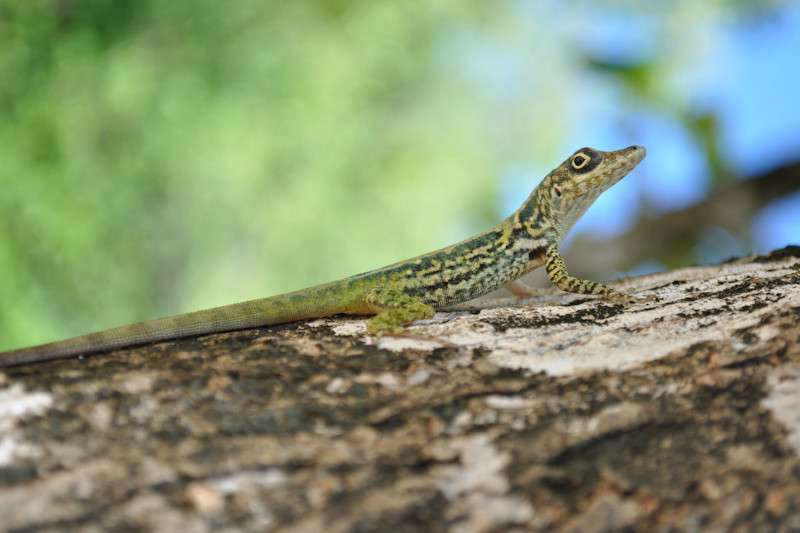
(400, 293)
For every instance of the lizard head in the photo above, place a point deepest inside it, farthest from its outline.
(569, 190)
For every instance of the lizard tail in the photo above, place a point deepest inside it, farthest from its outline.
(323, 300)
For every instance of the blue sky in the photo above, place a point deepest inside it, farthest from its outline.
(747, 73)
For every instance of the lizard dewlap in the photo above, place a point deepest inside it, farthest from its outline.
(409, 290)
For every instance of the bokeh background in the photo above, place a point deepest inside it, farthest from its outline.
(162, 156)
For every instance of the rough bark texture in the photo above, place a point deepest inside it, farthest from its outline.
(559, 413)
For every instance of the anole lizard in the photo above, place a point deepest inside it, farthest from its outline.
(409, 290)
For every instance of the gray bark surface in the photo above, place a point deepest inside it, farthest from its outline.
(555, 413)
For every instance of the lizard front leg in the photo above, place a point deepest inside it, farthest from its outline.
(557, 272)
(395, 310)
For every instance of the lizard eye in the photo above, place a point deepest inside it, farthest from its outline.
(579, 160)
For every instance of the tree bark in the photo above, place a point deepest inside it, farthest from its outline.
(558, 413)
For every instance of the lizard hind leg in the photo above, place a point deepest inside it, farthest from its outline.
(520, 290)
(395, 310)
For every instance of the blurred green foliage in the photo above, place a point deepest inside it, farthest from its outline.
(160, 156)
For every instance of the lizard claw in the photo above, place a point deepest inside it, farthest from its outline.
(630, 299)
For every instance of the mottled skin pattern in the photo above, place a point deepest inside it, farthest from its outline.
(409, 290)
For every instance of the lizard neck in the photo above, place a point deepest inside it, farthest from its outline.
(535, 216)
